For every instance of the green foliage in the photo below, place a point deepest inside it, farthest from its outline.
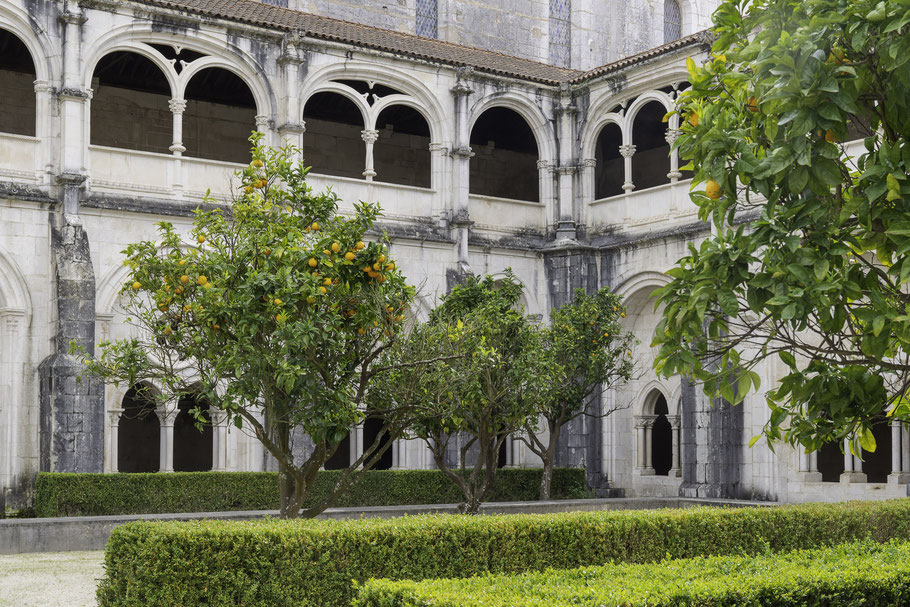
(65, 494)
(471, 397)
(584, 349)
(808, 261)
(862, 573)
(275, 311)
(313, 562)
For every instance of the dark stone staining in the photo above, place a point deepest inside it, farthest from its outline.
(71, 406)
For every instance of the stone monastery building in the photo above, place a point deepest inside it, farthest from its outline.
(494, 133)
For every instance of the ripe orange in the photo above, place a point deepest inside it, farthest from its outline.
(267, 252)
(390, 266)
(336, 247)
(349, 256)
(377, 267)
(312, 262)
(184, 279)
(137, 285)
(202, 279)
(713, 190)
(693, 119)
(327, 281)
(326, 251)
(323, 290)
(381, 258)
(200, 239)
(248, 189)
(277, 302)
(315, 227)
(311, 299)
(182, 262)
(278, 317)
(830, 137)
(257, 163)
(359, 245)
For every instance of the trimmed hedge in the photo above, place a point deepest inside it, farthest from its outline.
(65, 494)
(852, 574)
(313, 562)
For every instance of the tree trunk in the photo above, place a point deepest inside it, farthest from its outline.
(547, 456)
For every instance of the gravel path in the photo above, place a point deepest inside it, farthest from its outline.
(50, 579)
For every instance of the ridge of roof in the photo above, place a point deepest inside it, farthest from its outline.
(255, 12)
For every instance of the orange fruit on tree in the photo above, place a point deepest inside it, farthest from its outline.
(200, 239)
(312, 262)
(257, 163)
(137, 285)
(336, 247)
(830, 137)
(359, 245)
(349, 256)
(693, 119)
(362, 331)
(713, 190)
(310, 299)
(315, 227)
(381, 258)
(202, 279)
(184, 279)
(323, 290)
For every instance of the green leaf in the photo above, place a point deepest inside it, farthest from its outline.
(867, 440)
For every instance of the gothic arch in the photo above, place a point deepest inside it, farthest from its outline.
(421, 98)
(44, 55)
(261, 96)
(346, 92)
(14, 293)
(532, 115)
(641, 101)
(593, 129)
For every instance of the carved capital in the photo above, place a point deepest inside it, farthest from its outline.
(672, 135)
(177, 106)
(263, 122)
(289, 128)
(462, 152)
(544, 164)
(71, 179)
(43, 86)
(627, 150)
(439, 148)
(589, 163)
(72, 93)
(369, 135)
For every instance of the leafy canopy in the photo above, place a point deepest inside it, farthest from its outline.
(808, 259)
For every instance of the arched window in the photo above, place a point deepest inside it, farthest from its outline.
(17, 77)
(609, 172)
(672, 21)
(661, 439)
(130, 104)
(192, 444)
(651, 162)
(504, 164)
(220, 114)
(139, 432)
(333, 143)
(402, 151)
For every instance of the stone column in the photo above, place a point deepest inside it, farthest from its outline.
(369, 136)
(439, 177)
(853, 467)
(899, 475)
(355, 443)
(641, 430)
(648, 421)
(13, 354)
(565, 218)
(166, 417)
(627, 151)
(219, 439)
(264, 126)
(73, 98)
(461, 170)
(587, 173)
(292, 63)
(674, 174)
(808, 466)
(177, 107)
(44, 99)
(905, 449)
(675, 467)
(113, 437)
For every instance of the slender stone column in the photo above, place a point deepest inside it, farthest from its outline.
(674, 174)
(113, 441)
(292, 62)
(675, 468)
(649, 444)
(627, 151)
(461, 170)
(808, 466)
(219, 439)
(167, 417)
(178, 107)
(369, 136)
(264, 126)
(905, 448)
(567, 169)
(853, 470)
(899, 474)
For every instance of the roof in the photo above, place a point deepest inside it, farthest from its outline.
(258, 13)
(699, 38)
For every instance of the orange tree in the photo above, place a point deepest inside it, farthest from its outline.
(583, 350)
(808, 261)
(279, 309)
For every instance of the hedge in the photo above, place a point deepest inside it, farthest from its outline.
(852, 574)
(65, 494)
(283, 563)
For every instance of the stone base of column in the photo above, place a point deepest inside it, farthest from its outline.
(811, 477)
(675, 472)
(645, 471)
(853, 477)
(565, 230)
(899, 478)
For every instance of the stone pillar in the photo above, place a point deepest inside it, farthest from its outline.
(565, 118)
(905, 449)
(112, 460)
(675, 468)
(72, 98)
(674, 174)
(899, 474)
(219, 439)
(355, 443)
(627, 151)
(177, 107)
(461, 170)
(44, 102)
(264, 126)
(71, 406)
(641, 443)
(166, 417)
(369, 136)
(586, 175)
(13, 354)
(439, 178)
(808, 466)
(853, 467)
(292, 63)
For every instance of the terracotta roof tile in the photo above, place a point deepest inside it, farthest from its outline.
(258, 13)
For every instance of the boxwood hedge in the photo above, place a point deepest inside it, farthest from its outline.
(851, 574)
(283, 563)
(63, 494)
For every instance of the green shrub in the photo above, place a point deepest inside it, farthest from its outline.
(313, 562)
(62, 494)
(852, 574)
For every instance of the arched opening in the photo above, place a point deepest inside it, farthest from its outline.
(402, 152)
(830, 462)
(341, 459)
(661, 439)
(129, 107)
(609, 172)
(220, 114)
(138, 433)
(192, 438)
(651, 162)
(504, 164)
(17, 81)
(672, 21)
(372, 426)
(333, 144)
(877, 464)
